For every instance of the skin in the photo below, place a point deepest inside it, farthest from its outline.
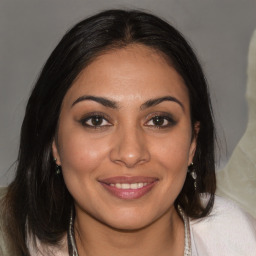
(128, 141)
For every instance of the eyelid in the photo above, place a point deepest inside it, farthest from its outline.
(167, 116)
(90, 115)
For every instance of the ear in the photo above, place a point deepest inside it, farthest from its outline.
(193, 144)
(55, 152)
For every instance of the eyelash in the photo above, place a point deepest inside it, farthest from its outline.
(90, 116)
(165, 117)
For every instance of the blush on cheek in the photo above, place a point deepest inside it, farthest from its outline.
(81, 160)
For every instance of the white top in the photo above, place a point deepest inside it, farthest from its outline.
(227, 231)
(237, 180)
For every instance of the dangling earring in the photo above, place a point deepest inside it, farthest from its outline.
(57, 168)
(193, 174)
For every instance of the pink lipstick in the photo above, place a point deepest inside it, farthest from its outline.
(125, 187)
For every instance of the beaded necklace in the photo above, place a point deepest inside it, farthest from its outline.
(72, 244)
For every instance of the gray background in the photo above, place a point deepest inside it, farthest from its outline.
(218, 30)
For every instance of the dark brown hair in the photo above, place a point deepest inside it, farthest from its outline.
(37, 200)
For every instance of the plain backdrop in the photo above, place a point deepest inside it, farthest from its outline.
(218, 30)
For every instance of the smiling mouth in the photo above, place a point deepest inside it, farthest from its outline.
(129, 187)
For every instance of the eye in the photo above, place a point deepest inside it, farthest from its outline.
(95, 121)
(161, 121)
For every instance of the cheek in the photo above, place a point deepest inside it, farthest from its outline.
(81, 159)
(80, 154)
(172, 155)
(173, 151)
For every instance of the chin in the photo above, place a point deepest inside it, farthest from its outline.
(130, 220)
(129, 225)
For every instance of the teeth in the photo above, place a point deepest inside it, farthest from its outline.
(125, 186)
(134, 185)
(129, 186)
(118, 185)
(140, 185)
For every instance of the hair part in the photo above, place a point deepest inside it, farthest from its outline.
(38, 202)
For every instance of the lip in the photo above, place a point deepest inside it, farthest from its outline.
(129, 193)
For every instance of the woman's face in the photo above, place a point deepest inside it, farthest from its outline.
(124, 139)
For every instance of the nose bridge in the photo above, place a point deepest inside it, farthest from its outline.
(130, 148)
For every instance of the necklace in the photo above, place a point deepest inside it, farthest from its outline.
(72, 250)
(72, 244)
(187, 247)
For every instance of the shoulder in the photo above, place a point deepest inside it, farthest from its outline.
(6, 249)
(7, 244)
(3, 191)
(227, 230)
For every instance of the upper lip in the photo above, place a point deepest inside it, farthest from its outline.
(128, 179)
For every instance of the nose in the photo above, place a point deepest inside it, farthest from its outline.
(130, 148)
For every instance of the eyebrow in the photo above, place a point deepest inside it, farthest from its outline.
(103, 101)
(114, 105)
(156, 101)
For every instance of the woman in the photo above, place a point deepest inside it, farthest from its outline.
(117, 150)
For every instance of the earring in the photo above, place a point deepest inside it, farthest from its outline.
(193, 174)
(57, 168)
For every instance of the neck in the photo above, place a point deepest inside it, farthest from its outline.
(163, 237)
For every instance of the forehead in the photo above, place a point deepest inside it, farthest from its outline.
(135, 72)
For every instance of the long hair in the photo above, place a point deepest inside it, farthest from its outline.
(37, 201)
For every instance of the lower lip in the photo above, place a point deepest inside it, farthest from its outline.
(129, 193)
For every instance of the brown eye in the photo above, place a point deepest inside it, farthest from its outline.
(158, 120)
(161, 121)
(95, 121)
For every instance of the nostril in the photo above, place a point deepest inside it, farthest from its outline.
(131, 157)
(129, 148)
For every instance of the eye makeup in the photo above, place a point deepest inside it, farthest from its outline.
(95, 120)
(160, 120)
